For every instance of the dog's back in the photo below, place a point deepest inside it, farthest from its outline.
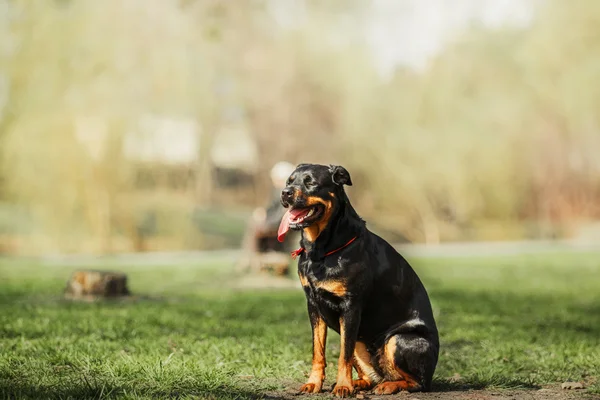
(398, 304)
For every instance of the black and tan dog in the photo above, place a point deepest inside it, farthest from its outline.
(359, 286)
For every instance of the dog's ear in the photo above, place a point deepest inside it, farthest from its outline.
(339, 175)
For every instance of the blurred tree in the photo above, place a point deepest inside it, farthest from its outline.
(65, 66)
(496, 138)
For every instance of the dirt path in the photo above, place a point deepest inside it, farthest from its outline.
(550, 393)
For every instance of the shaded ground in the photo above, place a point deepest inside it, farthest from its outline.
(510, 325)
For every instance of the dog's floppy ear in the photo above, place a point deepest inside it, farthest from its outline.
(339, 175)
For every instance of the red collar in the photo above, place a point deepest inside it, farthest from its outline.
(301, 250)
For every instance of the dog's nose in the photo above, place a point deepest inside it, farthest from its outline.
(287, 193)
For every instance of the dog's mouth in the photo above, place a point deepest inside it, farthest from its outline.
(299, 218)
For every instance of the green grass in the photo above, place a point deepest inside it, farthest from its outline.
(514, 321)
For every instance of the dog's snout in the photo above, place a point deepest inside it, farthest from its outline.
(287, 193)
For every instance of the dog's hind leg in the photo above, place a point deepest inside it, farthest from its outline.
(408, 362)
(367, 375)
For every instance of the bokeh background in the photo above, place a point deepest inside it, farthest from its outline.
(145, 125)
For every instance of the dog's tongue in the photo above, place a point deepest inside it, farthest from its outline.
(284, 226)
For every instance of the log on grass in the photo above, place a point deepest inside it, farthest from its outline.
(93, 284)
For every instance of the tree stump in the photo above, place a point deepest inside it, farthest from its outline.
(92, 285)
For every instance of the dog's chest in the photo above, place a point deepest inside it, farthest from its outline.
(323, 288)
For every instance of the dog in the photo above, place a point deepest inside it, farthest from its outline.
(358, 285)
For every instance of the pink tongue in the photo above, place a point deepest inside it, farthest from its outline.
(284, 226)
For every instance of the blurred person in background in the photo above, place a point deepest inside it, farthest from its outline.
(260, 245)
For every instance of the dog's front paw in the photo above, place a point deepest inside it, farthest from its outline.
(342, 390)
(311, 388)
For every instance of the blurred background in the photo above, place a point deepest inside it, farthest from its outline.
(152, 125)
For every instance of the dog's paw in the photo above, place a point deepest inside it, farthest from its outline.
(387, 388)
(311, 388)
(362, 384)
(396, 386)
(342, 391)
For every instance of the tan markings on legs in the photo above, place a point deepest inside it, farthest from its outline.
(303, 280)
(396, 378)
(343, 386)
(386, 359)
(367, 376)
(338, 288)
(317, 374)
(312, 232)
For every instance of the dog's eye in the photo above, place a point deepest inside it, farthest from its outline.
(308, 181)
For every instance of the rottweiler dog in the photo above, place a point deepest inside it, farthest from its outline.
(358, 285)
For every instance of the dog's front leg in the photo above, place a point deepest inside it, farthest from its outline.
(349, 323)
(319, 331)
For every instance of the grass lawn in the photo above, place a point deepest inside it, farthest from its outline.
(505, 322)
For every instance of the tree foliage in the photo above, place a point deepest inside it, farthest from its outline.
(501, 129)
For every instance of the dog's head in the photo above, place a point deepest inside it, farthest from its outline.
(312, 194)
